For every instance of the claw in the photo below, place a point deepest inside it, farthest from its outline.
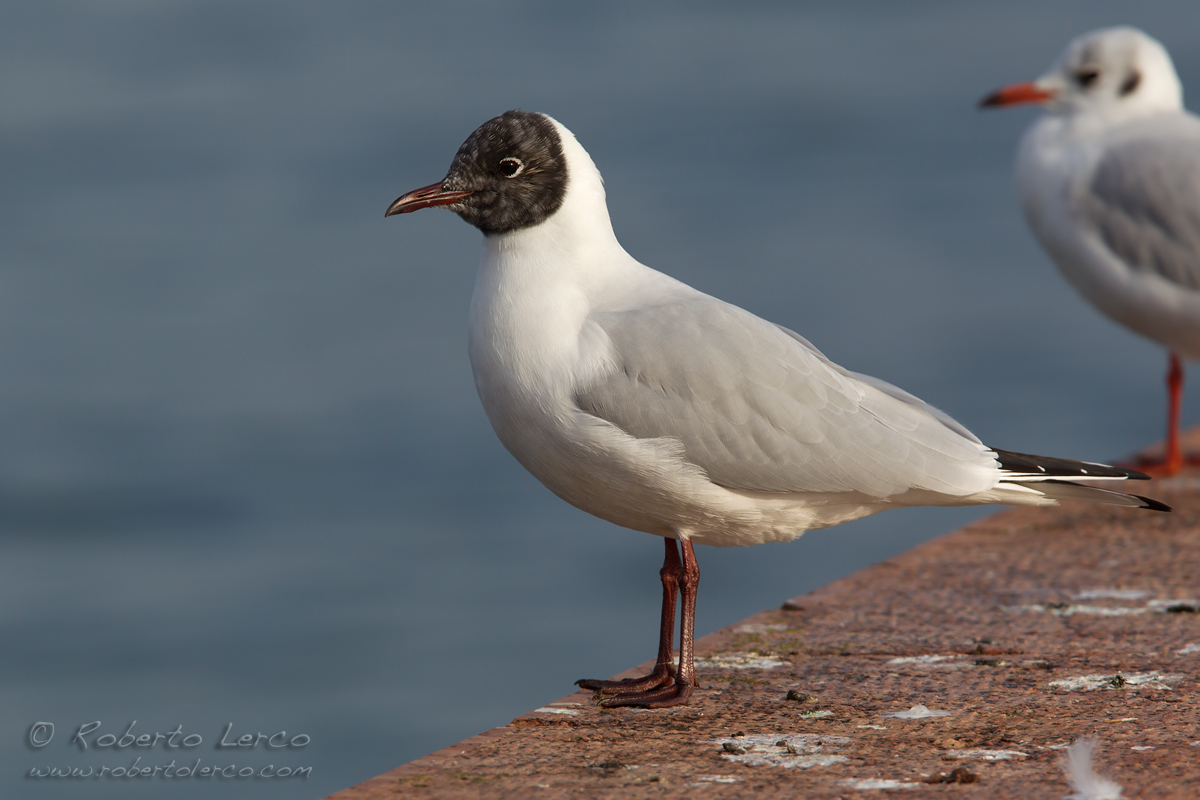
(657, 679)
(676, 694)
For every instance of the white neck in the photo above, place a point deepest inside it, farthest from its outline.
(536, 287)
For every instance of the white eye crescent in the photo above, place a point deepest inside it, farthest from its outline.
(511, 167)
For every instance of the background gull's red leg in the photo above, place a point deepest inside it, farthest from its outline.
(1173, 458)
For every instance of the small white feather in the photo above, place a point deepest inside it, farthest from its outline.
(1085, 783)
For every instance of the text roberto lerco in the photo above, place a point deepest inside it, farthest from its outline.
(185, 764)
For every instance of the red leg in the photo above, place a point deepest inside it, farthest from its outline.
(689, 582)
(677, 693)
(664, 669)
(1174, 459)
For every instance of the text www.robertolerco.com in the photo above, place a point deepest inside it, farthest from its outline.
(88, 736)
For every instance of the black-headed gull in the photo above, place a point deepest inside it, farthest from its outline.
(1110, 181)
(654, 406)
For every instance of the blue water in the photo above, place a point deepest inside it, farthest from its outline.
(245, 478)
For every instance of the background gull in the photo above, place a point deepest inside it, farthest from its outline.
(1110, 182)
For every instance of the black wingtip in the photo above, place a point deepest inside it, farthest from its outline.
(1048, 467)
(1153, 504)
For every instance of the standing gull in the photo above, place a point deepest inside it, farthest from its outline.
(649, 404)
(1110, 181)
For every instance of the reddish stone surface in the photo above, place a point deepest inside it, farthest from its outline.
(1007, 607)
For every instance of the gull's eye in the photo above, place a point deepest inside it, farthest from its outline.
(1086, 77)
(511, 167)
(1132, 81)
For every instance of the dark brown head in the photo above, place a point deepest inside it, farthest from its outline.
(508, 175)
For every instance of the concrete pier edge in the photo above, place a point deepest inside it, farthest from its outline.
(962, 667)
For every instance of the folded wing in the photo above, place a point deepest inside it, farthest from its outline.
(1143, 201)
(760, 409)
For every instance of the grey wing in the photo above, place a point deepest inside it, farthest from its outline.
(1144, 202)
(760, 409)
(890, 389)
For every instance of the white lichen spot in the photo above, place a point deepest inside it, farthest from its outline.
(1085, 783)
(1188, 649)
(928, 661)
(1141, 748)
(917, 712)
(1071, 609)
(1090, 683)
(873, 727)
(739, 661)
(716, 779)
(986, 755)
(790, 751)
(756, 627)
(1111, 594)
(867, 784)
(547, 710)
